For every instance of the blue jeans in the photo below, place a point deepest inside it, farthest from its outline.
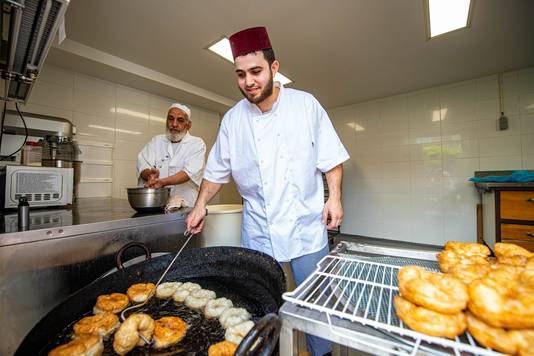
(302, 267)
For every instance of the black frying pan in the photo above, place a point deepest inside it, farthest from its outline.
(249, 278)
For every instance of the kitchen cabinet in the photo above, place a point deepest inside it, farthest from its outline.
(508, 213)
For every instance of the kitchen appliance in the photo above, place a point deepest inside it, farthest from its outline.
(148, 199)
(349, 299)
(38, 127)
(42, 186)
(250, 279)
(28, 28)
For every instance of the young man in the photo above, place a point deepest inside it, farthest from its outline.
(276, 144)
(175, 159)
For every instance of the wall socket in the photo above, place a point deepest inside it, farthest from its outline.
(502, 123)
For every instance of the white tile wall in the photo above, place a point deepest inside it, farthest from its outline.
(411, 156)
(113, 120)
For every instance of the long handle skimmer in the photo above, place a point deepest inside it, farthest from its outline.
(187, 234)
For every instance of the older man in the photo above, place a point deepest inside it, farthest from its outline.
(174, 159)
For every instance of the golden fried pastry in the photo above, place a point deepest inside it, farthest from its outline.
(504, 271)
(127, 336)
(448, 259)
(140, 292)
(84, 345)
(429, 322)
(223, 348)
(468, 248)
(508, 341)
(469, 273)
(513, 260)
(435, 291)
(111, 303)
(103, 325)
(503, 303)
(237, 332)
(168, 331)
(505, 249)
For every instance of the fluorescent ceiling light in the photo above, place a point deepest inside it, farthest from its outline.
(447, 15)
(222, 48)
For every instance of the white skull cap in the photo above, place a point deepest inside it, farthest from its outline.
(183, 108)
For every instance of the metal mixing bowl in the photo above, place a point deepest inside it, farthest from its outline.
(148, 199)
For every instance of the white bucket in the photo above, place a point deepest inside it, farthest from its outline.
(222, 226)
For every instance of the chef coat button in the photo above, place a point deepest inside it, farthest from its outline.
(259, 140)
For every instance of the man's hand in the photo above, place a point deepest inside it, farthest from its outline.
(149, 175)
(153, 173)
(155, 183)
(195, 220)
(332, 211)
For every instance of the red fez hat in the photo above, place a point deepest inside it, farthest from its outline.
(249, 40)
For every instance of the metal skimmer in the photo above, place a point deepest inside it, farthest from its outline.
(361, 289)
(136, 306)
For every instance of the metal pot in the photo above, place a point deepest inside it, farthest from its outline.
(148, 199)
(251, 279)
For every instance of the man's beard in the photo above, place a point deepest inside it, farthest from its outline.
(175, 135)
(265, 93)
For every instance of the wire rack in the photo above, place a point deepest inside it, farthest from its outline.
(361, 289)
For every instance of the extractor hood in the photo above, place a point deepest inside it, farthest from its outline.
(27, 30)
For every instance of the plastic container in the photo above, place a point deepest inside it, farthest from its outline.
(222, 226)
(31, 154)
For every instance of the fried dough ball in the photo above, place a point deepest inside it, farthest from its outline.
(184, 290)
(140, 292)
(505, 249)
(508, 341)
(169, 330)
(127, 336)
(468, 248)
(429, 322)
(469, 273)
(223, 348)
(198, 299)
(167, 289)
(448, 259)
(215, 307)
(84, 345)
(102, 325)
(233, 316)
(112, 303)
(500, 302)
(237, 332)
(435, 291)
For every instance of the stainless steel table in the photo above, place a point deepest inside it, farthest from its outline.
(68, 248)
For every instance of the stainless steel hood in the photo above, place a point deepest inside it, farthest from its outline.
(27, 30)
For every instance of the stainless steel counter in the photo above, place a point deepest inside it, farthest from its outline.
(85, 216)
(69, 249)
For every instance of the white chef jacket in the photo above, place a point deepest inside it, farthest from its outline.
(276, 159)
(170, 158)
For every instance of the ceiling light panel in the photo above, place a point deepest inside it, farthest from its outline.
(444, 16)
